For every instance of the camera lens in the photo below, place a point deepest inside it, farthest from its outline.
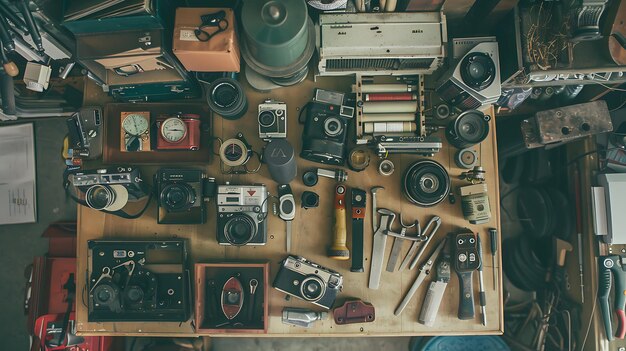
(333, 126)
(470, 128)
(478, 70)
(267, 118)
(226, 97)
(177, 197)
(426, 183)
(239, 230)
(99, 197)
(312, 288)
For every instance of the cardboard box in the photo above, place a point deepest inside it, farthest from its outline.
(218, 54)
(219, 273)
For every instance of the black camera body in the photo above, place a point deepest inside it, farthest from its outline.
(110, 188)
(181, 195)
(138, 281)
(85, 130)
(326, 128)
(308, 281)
(242, 215)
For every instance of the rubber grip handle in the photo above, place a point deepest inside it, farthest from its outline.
(482, 298)
(466, 296)
(357, 248)
(604, 289)
(7, 92)
(338, 249)
(621, 324)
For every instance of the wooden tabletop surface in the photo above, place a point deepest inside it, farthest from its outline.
(312, 235)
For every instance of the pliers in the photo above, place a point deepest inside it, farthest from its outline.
(615, 265)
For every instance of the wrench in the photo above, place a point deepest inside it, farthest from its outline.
(374, 190)
(436, 221)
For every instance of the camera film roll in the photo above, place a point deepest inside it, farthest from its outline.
(390, 107)
(389, 127)
(280, 158)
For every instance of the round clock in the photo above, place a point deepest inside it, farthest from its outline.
(135, 124)
(173, 130)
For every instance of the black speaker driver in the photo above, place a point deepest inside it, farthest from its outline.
(469, 129)
(426, 183)
(226, 97)
(478, 70)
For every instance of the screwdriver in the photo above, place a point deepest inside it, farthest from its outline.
(482, 298)
(493, 236)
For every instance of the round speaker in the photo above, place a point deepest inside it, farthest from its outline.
(478, 70)
(278, 39)
(226, 97)
(469, 129)
(426, 183)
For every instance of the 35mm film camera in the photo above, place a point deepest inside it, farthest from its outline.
(241, 215)
(182, 195)
(138, 281)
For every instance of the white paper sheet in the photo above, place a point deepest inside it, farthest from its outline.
(18, 199)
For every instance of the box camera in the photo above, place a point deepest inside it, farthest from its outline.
(241, 215)
(109, 189)
(325, 128)
(138, 281)
(181, 195)
(474, 78)
(85, 133)
(178, 132)
(308, 281)
(272, 120)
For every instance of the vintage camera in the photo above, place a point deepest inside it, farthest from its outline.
(138, 281)
(181, 195)
(178, 132)
(308, 281)
(325, 128)
(85, 133)
(241, 215)
(272, 120)
(109, 189)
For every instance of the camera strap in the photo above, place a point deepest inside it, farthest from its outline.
(119, 213)
(304, 108)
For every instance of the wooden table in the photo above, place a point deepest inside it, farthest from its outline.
(312, 235)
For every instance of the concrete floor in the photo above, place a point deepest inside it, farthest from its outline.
(20, 243)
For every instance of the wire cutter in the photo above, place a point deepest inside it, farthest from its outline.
(612, 265)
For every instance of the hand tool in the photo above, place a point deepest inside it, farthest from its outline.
(302, 317)
(580, 268)
(616, 266)
(354, 311)
(286, 209)
(482, 299)
(22, 6)
(399, 240)
(466, 261)
(374, 190)
(378, 248)
(338, 250)
(436, 222)
(358, 215)
(579, 229)
(424, 272)
(437, 287)
(251, 306)
(493, 241)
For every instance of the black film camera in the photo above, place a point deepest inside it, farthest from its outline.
(138, 281)
(109, 189)
(182, 194)
(241, 215)
(325, 128)
(85, 133)
(308, 281)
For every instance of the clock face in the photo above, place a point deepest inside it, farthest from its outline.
(135, 124)
(173, 130)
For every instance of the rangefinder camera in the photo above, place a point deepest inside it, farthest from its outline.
(308, 281)
(241, 215)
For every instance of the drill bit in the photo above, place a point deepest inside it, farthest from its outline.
(481, 284)
(493, 236)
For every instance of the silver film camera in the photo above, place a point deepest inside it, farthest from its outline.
(272, 120)
(241, 215)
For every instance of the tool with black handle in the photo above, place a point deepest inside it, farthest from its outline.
(358, 203)
(482, 296)
(466, 261)
(22, 6)
(338, 249)
(616, 266)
